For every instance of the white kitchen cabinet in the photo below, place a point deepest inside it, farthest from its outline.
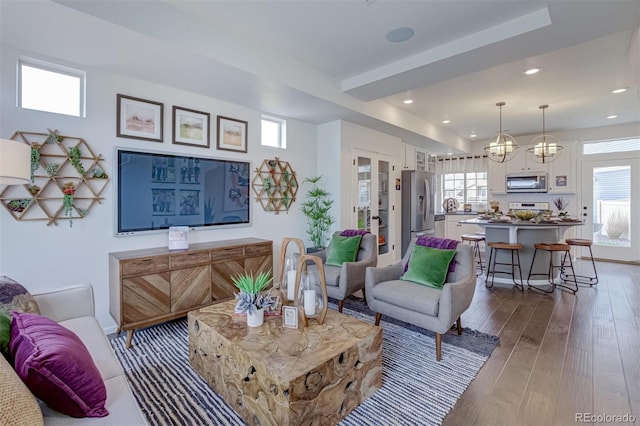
(562, 171)
(418, 159)
(455, 230)
(496, 181)
(522, 162)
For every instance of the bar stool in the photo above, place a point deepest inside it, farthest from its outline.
(552, 248)
(475, 240)
(584, 279)
(515, 255)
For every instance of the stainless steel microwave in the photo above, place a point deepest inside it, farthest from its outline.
(527, 182)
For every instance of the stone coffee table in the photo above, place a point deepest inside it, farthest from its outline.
(273, 375)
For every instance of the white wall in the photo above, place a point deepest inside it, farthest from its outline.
(45, 257)
(337, 141)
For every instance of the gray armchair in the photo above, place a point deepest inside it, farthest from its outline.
(343, 281)
(420, 305)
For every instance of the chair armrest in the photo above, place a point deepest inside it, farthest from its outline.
(352, 275)
(373, 276)
(456, 297)
(66, 303)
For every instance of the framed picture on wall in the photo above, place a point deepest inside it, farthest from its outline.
(190, 127)
(139, 118)
(232, 134)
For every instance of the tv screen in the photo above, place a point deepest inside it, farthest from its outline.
(158, 190)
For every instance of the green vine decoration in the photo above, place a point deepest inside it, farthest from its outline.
(35, 159)
(67, 201)
(74, 156)
(98, 173)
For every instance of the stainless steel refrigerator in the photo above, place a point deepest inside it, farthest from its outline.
(418, 202)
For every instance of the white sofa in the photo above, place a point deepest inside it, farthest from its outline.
(73, 307)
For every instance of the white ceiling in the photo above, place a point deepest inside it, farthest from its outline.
(323, 60)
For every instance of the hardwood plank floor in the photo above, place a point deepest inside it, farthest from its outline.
(559, 354)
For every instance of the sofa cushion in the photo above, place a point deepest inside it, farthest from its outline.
(428, 266)
(18, 406)
(14, 297)
(56, 366)
(343, 249)
(5, 334)
(409, 295)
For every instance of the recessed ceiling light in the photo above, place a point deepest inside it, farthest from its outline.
(449, 153)
(612, 116)
(400, 34)
(621, 90)
(531, 71)
(473, 135)
(446, 121)
(408, 101)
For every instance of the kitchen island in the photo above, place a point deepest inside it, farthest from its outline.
(528, 234)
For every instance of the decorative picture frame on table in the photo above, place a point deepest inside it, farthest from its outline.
(139, 119)
(290, 316)
(191, 127)
(232, 134)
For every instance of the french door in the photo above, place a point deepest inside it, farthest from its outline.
(374, 207)
(611, 208)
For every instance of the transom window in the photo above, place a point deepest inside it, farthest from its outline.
(466, 188)
(274, 132)
(49, 87)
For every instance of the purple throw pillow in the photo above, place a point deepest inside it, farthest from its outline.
(439, 243)
(56, 366)
(353, 232)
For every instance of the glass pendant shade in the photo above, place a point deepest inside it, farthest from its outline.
(502, 147)
(544, 148)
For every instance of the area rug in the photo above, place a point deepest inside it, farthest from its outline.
(416, 389)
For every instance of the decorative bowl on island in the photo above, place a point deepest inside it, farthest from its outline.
(525, 214)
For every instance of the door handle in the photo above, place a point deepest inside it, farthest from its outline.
(375, 217)
(584, 214)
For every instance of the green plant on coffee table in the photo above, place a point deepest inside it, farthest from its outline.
(316, 208)
(251, 296)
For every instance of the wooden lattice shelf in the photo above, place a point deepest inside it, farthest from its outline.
(275, 185)
(64, 162)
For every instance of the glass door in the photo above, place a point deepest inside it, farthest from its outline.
(374, 202)
(608, 205)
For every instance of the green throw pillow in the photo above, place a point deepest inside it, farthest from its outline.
(343, 249)
(5, 333)
(428, 266)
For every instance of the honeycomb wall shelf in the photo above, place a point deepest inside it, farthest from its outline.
(275, 185)
(66, 166)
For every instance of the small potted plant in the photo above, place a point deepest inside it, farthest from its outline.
(316, 208)
(251, 299)
(561, 205)
(68, 190)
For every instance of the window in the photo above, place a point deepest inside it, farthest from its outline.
(467, 188)
(51, 88)
(274, 132)
(615, 145)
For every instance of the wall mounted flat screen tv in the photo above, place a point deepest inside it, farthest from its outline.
(159, 190)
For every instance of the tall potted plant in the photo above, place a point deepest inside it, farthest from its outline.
(316, 208)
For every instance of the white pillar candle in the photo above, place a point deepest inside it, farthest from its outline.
(309, 302)
(291, 284)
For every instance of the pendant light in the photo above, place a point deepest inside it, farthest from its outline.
(544, 148)
(502, 147)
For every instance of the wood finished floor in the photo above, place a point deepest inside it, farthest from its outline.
(559, 354)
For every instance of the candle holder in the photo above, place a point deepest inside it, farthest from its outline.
(287, 274)
(311, 290)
